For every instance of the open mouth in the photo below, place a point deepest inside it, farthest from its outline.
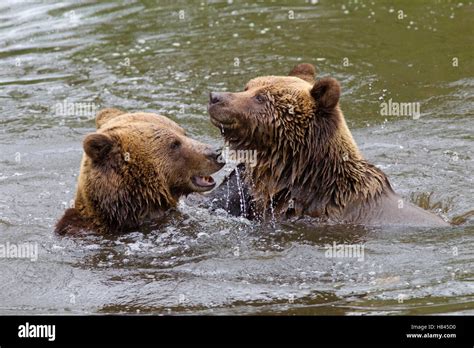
(218, 116)
(205, 183)
(219, 123)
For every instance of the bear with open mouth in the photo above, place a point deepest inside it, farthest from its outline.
(134, 168)
(308, 163)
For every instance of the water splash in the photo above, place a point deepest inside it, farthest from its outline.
(243, 207)
(272, 211)
(251, 186)
(227, 198)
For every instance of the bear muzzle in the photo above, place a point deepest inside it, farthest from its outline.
(218, 108)
(216, 98)
(202, 180)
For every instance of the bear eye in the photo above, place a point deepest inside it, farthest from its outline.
(260, 98)
(175, 145)
(246, 88)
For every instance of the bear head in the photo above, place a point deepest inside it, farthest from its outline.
(279, 110)
(136, 165)
(306, 156)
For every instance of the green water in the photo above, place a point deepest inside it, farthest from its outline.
(166, 57)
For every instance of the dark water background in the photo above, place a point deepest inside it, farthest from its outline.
(165, 57)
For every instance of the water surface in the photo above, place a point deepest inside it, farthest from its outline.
(166, 58)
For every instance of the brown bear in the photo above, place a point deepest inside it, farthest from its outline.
(308, 163)
(134, 168)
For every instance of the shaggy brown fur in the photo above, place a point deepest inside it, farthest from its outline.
(308, 161)
(135, 167)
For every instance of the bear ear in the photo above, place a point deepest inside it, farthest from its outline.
(326, 92)
(304, 71)
(105, 115)
(98, 146)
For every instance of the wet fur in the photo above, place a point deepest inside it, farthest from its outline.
(308, 162)
(129, 175)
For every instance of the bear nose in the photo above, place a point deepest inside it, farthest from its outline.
(214, 154)
(215, 97)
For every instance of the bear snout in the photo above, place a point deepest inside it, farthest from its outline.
(215, 156)
(215, 98)
(220, 109)
(213, 153)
